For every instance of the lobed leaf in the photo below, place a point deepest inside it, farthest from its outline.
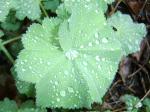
(5, 6)
(28, 8)
(127, 32)
(11, 106)
(78, 70)
(51, 4)
(131, 103)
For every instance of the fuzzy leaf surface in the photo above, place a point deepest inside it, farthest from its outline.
(79, 69)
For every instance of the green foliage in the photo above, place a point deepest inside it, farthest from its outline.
(5, 6)
(51, 4)
(11, 106)
(28, 8)
(72, 59)
(146, 102)
(22, 86)
(25, 8)
(126, 28)
(8, 106)
(11, 23)
(132, 103)
(1, 33)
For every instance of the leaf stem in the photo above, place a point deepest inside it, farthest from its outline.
(11, 40)
(7, 54)
(43, 9)
(3, 48)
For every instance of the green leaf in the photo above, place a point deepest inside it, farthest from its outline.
(128, 32)
(10, 106)
(44, 34)
(109, 1)
(132, 103)
(22, 86)
(11, 23)
(78, 70)
(51, 4)
(146, 102)
(5, 6)
(1, 33)
(62, 12)
(28, 8)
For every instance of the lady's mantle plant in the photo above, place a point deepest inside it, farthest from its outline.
(72, 61)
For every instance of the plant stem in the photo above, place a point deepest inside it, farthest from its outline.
(43, 9)
(7, 54)
(11, 40)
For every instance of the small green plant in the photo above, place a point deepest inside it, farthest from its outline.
(72, 58)
(11, 106)
(146, 103)
(26, 8)
(132, 103)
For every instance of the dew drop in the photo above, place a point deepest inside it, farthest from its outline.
(97, 58)
(81, 46)
(104, 40)
(63, 93)
(23, 70)
(103, 59)
(97, 42)
(70, 90)
(71, 54)
(48, 63)
(66, 72)
(58, 100)
(84, 63)
(96, 35)
(56, 83)
(90, 44)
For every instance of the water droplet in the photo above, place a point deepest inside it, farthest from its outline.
(30, 67)
(75, 105)
(71, 54)
(58, 100)
(96, 35)
(81, 46)
(56, 83)
(63, 93)
(99, 66)
(48, 63)
(96, 11)
(97, 42)
(66, 72)
(70, 90)
(90, 44)
(104, 40)
(23, 70)
(84, 63)
(85, 56)
(29, 12)
(22, 62)
(97, 58)
(105, 23)
(103, 59)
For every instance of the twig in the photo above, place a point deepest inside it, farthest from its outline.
(148, 92)
(114, 9)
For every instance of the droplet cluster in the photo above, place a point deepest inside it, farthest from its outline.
(80, 69)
